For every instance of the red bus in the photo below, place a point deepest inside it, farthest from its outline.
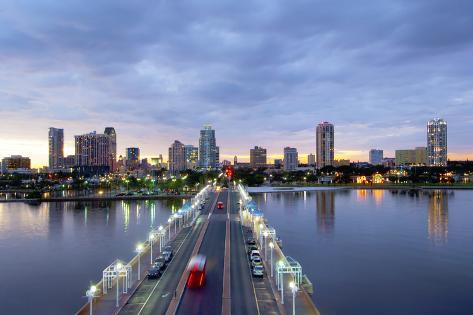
(196, 270)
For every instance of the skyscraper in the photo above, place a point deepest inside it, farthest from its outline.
(437, 142)
(192, 156)
(325, 135)
(311, 159)
(376, 157)
(56, 148)
(132, 158)
(177, 158)
(257, 157)
(291, 159)
(92, 149)
(208, 150)
(112, 136)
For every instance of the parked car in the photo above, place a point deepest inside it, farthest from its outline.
(160, 262)
(252, 248)
(258, 271)
(250, 241)
(167, 253)
(254, 254)
(256, 261)
(154, 273)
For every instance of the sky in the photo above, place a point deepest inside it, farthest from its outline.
(260, 72)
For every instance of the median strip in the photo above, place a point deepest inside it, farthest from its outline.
(226, 298)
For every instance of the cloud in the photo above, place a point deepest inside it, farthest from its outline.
(262, 72)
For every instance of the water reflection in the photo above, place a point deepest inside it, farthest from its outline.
(325, 201)
(438, 216)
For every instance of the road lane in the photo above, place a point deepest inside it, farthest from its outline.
(154, 296)
(243, 292)
(208, 300)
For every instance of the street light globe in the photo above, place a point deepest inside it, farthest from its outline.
(265, 233)
(281, 263)
(93, 289)
(151, 236)
(139, 248)
(119, 266)
(261, 225)
(160, 228)
(169, 220)
(271, 244)
(291, 284)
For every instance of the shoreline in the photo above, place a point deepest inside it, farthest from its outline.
(279, 189)
(95, 198)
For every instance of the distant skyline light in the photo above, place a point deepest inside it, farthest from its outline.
(261, 73)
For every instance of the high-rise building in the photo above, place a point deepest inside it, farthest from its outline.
(291, 159)
(311, 159)
(15, 163)
(56, 148)
(132, 158)
(376, 157)
(325, 135)
(437, 142)
(177, 158)
(258, 157)
(209, 154)
(192, 156)
(69, 161)
(411, 157)
(92, 149)
(112, 136)
(278, 163)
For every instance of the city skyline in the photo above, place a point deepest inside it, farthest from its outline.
(378, 82)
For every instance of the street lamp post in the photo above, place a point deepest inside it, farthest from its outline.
(151, 239)
(161, 234)
(91, 294)
(118, 268)
(169, 221)
(265, 234)
(139, 250)
(294, 289)
(281, 280)
(271, 245)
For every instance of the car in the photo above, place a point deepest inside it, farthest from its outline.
(252, 248)
(251, 241)
(258, 271)
(254, 254)
(167, 254)
(154, 273)
(220, 205)
(160, 262)
(120, 195)
(256, 261)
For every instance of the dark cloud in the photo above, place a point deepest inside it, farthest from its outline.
(263, 68)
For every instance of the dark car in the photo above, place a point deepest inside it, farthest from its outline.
(250, 241)
(252, 248)
(154, 273)
(160, 263)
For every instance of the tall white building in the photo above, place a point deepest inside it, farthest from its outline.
(56, 148)
(192, 156)
(311, 159)
(208, 150)
(437, 142)
(325, 134)
(376, 157)
(291, 159)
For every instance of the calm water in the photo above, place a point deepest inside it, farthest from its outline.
(377, 252)
(50, 253)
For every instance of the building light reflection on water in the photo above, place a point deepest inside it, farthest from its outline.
(438, 216)
(325, 203)
(361, 194)
(126, 215)
(378, 196)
